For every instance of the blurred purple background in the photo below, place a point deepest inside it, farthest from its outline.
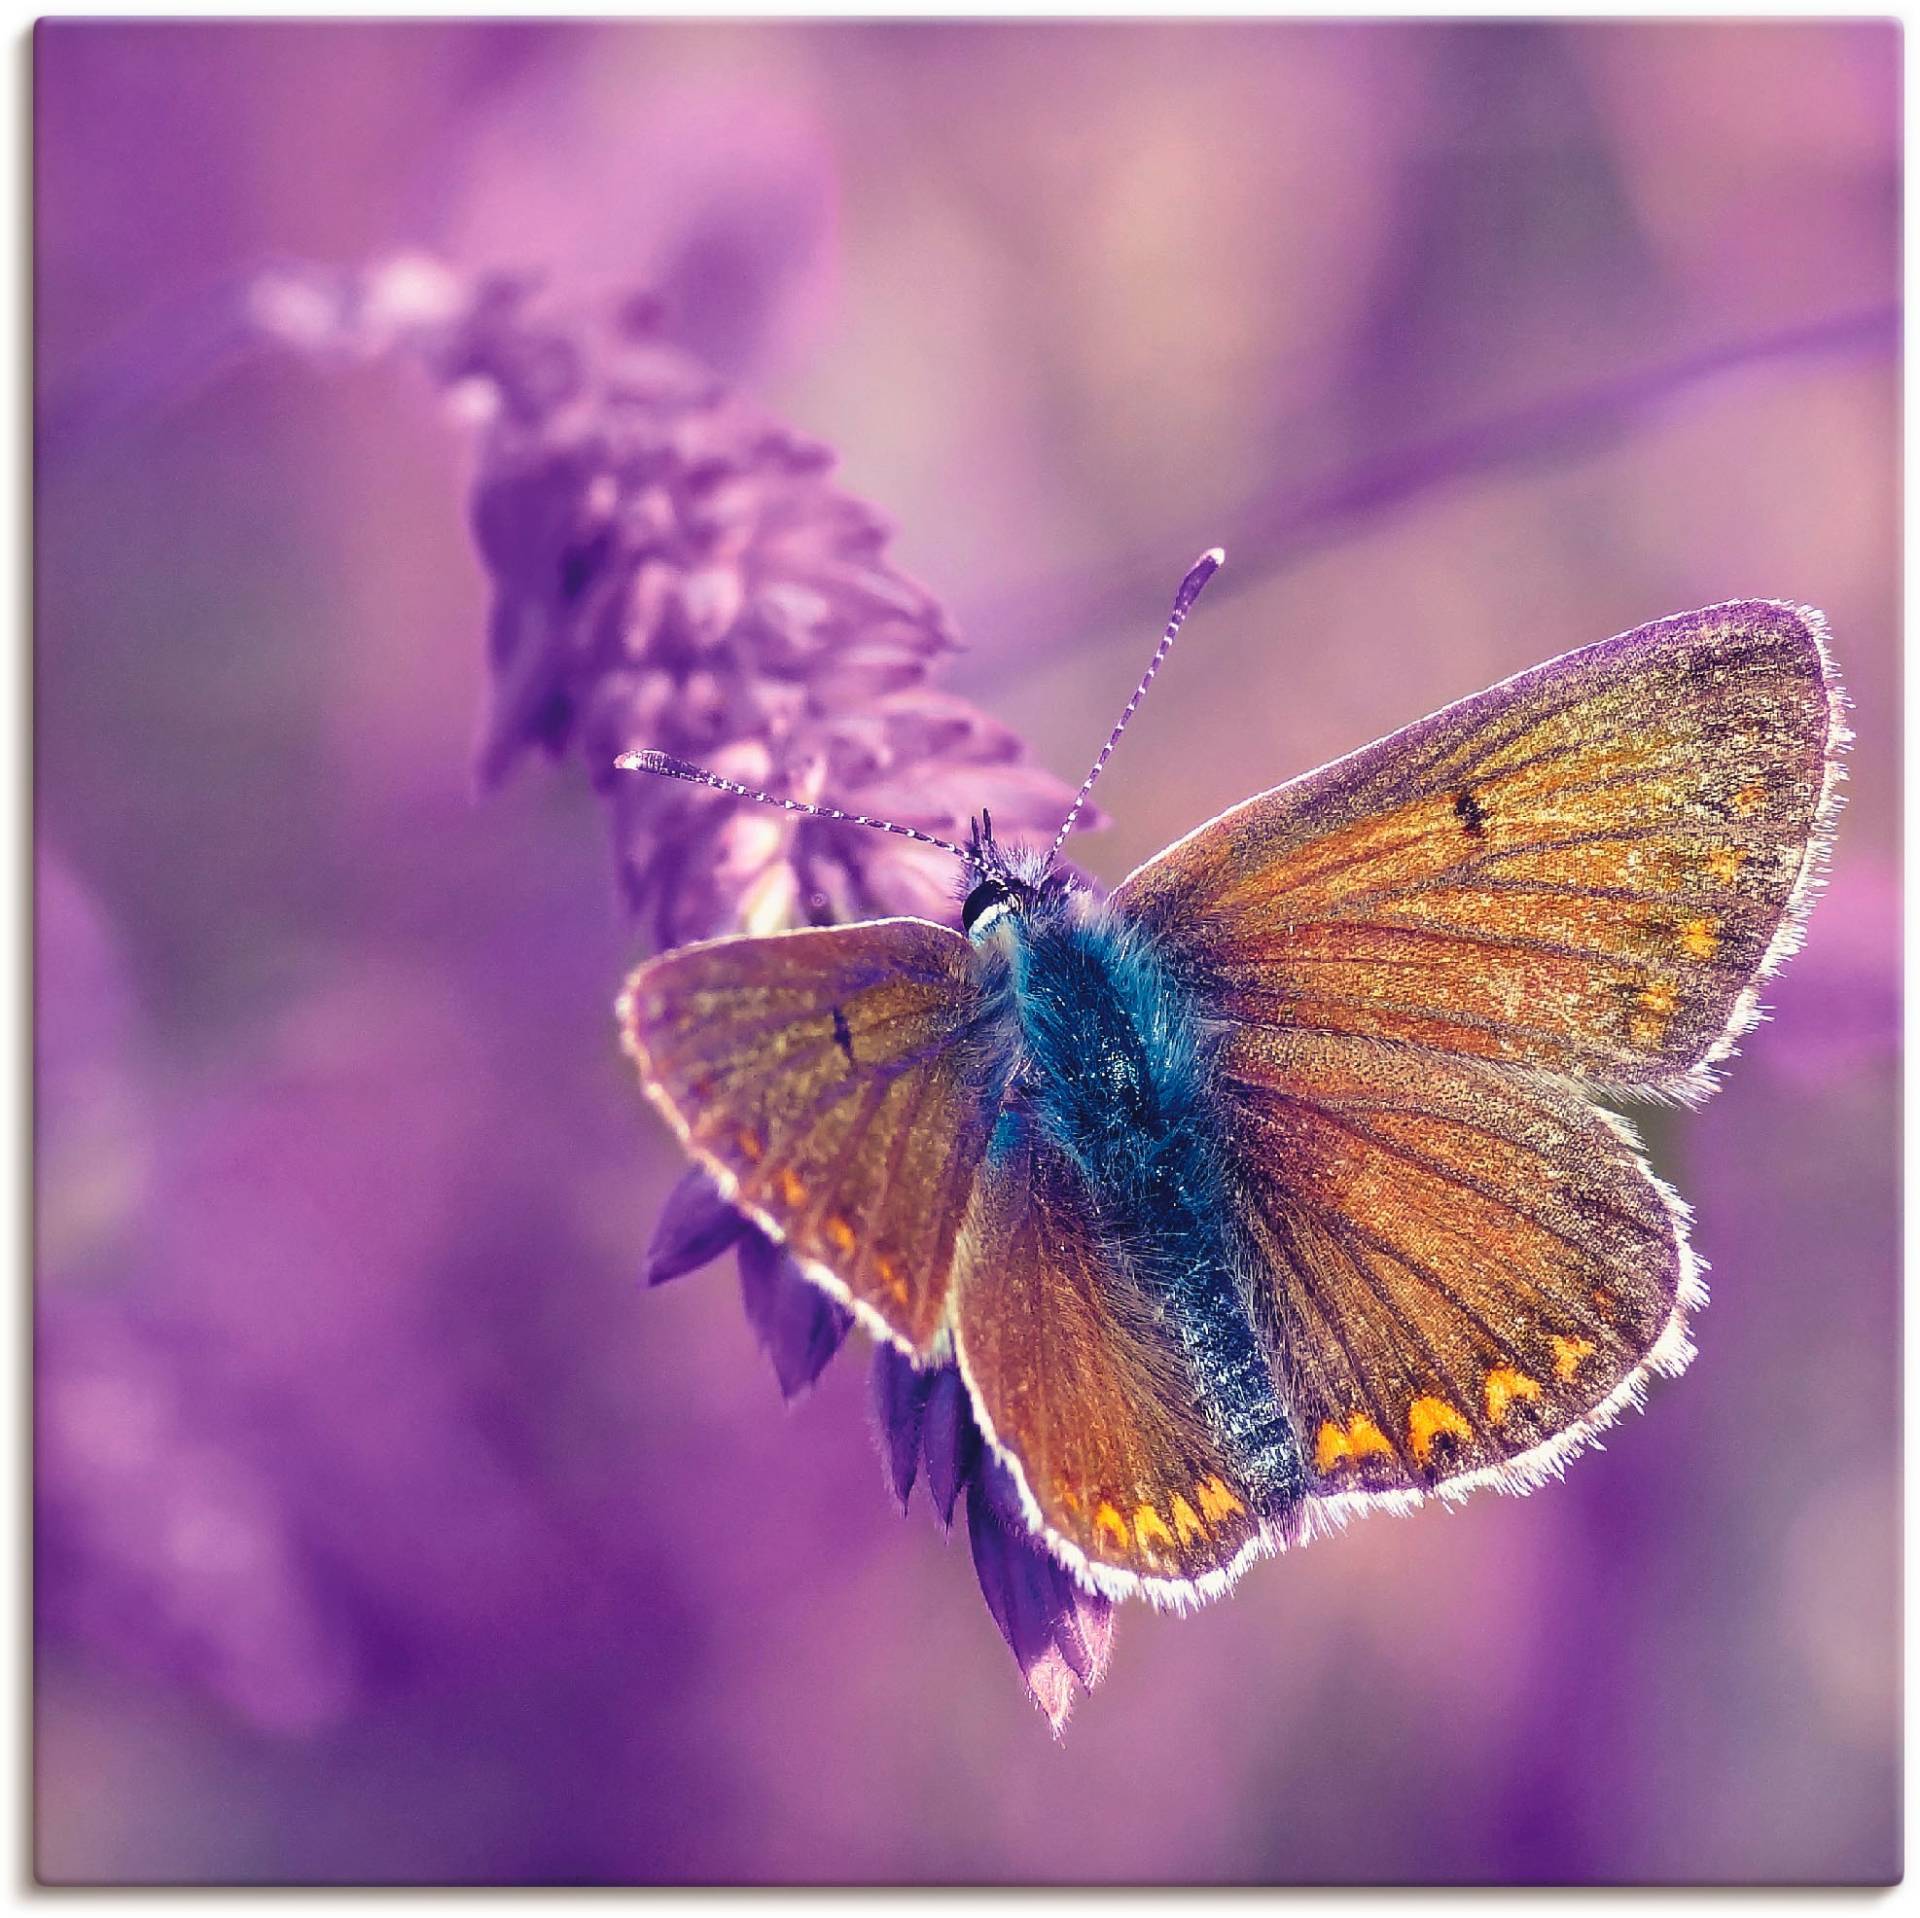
(386, 1530)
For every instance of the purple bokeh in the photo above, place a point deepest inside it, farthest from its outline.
(388, 1527)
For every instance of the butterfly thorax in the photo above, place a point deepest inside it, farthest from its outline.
(1112, 1067)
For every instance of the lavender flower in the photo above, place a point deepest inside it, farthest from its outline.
(949, 1442)
(695, 1226)
(900, 1391)
(798, 1326)
(672, 570)
(1058, 1631)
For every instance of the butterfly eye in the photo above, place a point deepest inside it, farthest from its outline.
(988, 894)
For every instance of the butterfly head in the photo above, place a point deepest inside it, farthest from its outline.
(1006, 884)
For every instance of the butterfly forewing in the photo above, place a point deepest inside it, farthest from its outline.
(840, 1084)
(1586, 869)
(1466, 1270)
(1079, 1381)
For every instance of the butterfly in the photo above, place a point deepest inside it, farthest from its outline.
(1274, 1185)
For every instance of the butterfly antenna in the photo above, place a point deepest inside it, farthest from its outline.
(670, 768)
(1202, 570)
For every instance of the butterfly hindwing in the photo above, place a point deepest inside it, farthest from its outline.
(1469, 1270)
(1077, 1379)
(840, 1084)
(1587, 869)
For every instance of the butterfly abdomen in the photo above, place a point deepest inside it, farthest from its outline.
(1116, 1075)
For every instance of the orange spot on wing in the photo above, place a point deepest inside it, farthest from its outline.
(1150, 1528)
(793, 1190)
(1107, 1520)
(1567, 1354)
(888, 1271)
(1348, 1444)
(751, 1146)
(1648, 1026)
(1427, 1420)
(1216, 1502)
(1504, 1385)
(1699, 939)
(1186, 1521)
(839, 1233)
(1750, 797)
(1724, 862)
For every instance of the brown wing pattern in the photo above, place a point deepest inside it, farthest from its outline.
(1470, 1270)
(1080, 1384)
(1587, 869)
(841, 1084)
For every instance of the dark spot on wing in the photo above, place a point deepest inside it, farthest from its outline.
(1470, 813)
(842, 1033)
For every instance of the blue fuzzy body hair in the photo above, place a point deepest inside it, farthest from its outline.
(1116, 1074)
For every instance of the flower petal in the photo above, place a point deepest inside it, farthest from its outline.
(950, 1441)
(1051, 1682)
(798, 1326)
(900, 1390)
(1035, 1602)
(696, 1225)
(1083, 1631)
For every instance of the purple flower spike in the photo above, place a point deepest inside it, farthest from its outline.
(695, 1226)
(797, 1324)
(1057, 1632)
(900, 1391)
(673, 570)
(949, 1441)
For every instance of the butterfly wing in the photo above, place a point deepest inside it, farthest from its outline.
(840, 1084)
(1078, 1382)
(1471, 1270)
(1588, 869)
